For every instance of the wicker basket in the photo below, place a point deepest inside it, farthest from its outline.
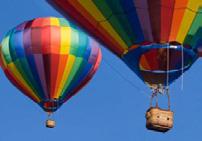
(50, 123)
(159, 120)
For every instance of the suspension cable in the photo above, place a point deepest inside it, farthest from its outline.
(182, 72)
(167, 85)
(168, 95)
(168, 65)
(123, 77)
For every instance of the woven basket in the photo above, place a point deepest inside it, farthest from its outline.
(159, 120)
(50, 123)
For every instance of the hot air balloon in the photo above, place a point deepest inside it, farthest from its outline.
(158, 39)
(49, 60)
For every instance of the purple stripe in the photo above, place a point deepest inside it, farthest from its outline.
(95, 48)
(40, 69)
(143, 15)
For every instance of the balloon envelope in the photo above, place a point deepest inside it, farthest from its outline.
(128, 26)
(49, 60)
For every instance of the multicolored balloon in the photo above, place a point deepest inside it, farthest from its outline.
(158, 39)
(145, 34)
(49, 60)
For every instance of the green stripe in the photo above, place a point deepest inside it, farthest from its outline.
(77, 75)
(195, 32)
(118, 21)
(23, 66)
(74, 42)
(24, 69)
(78, 50)
(63, 22)
(5, 50)
(76, 66)
(24, 74)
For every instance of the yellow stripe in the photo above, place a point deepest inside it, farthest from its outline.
(5, 47)
(65, 45)
(68, 68)
(54, 21)
(19, 77)
(65, 40)
(94, 11)
(188, 19)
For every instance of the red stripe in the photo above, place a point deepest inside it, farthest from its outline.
(154, 12)
(166, 19)
(161, 14)
(54, 62)
(45, 40)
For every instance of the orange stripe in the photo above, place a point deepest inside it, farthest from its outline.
(54, 57)
(61, 68)
(180, 7)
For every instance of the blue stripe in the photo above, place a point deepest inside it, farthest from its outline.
(131, 13)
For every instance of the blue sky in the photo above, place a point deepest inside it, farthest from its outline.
(110, 108)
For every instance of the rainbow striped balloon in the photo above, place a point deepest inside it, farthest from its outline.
(49, 60)
(121, 24)
(143, 32)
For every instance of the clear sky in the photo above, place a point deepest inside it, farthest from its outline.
(111, 108)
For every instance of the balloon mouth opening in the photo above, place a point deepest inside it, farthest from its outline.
(166, 58)
(50, 105)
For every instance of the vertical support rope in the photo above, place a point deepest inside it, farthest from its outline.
(167, 85)
(154, 94)
(168, 95)
(151, 99)
(168, 65)
(157, 105)
(182, 72)
(49, 115)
